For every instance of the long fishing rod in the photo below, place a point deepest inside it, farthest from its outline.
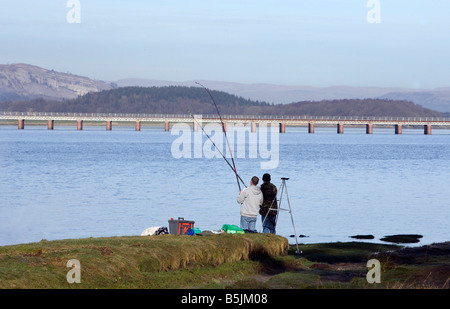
(214, 144)
(224, 132)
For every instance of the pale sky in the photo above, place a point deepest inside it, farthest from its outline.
(303, 42)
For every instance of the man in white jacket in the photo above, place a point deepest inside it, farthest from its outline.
(251, 199)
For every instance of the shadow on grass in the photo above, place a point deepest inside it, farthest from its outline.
(340, 252)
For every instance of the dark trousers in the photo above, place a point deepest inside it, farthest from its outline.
(269, 223)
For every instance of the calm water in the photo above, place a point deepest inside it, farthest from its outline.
(69, 184)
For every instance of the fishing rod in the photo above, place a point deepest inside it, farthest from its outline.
(214, 144)
(224, 132)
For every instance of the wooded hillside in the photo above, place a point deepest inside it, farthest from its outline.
(180, 100)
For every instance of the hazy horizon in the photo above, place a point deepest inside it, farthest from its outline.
(367, 43)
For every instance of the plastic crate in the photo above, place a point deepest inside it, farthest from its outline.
(180, 226)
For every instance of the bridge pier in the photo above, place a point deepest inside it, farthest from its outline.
(340, 128)
(50, 124)
(398, 129)
(108, 125)
(166, 126)
(253, 127)
(138, 125)
(79, 125)
(369, 128)
(311, 127)
(282, 128)
(427, 129)
(21, 124)
(224, 127)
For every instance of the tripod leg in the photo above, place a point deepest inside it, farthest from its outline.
(279, 201)
(292, 220)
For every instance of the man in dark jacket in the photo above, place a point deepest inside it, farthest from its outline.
(268, 210)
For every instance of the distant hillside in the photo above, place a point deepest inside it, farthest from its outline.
(357, 107)
(437, 99)
(180, 100)
(24, 81)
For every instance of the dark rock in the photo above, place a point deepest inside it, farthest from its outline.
(363, 236)
(402, 238)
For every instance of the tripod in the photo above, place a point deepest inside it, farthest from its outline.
(284, 188)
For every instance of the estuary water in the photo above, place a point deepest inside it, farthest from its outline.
(64, 183)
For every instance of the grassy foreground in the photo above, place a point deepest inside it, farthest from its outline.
(163, 261)
(218, 261)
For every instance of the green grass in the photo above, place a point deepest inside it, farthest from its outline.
(132, 262)
(248, 261)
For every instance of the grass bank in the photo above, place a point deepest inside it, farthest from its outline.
(220, 261)
(163, 261)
